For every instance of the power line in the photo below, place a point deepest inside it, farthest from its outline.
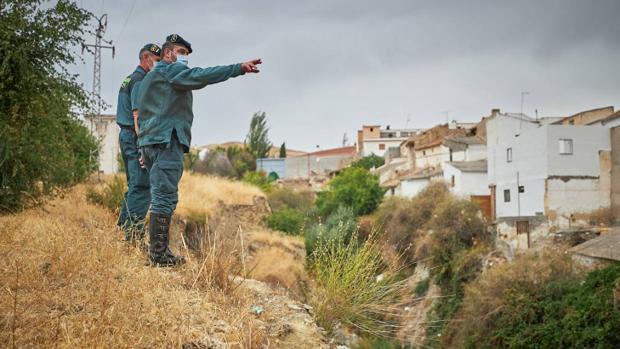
(133, 4)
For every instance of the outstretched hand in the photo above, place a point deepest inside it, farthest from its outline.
(251, 66)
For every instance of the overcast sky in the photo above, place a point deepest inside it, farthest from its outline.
(331, 66)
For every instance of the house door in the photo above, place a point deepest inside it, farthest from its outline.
(484, 201)
(523, 233)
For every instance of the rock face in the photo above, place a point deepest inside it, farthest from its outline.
(287, 323)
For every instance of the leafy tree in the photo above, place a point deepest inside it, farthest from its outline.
(283, 150)
(257, 138)
(43, 145)
(356, 188)
(369, 162)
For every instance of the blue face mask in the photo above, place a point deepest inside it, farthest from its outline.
(183, 59)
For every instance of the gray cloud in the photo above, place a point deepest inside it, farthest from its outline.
(330, 66)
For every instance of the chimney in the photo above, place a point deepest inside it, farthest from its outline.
(494, 112)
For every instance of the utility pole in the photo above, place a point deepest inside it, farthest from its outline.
(96, 51)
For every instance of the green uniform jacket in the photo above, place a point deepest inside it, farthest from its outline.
(165, 100)
(126, 94)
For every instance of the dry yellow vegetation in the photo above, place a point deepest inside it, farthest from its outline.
(68, 281)
(201, 193)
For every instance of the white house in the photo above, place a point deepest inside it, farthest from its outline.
(467, 178)
(105, 129)
(543, 176)
(372, 139)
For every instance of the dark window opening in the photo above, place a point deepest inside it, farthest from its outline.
(506, 195)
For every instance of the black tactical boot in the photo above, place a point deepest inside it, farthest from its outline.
(159, 253)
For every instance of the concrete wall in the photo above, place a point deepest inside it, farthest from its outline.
(572, 196)
(307, 165)
(106, 132)
(272, 165)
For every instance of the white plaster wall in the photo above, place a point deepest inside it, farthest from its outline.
(372, 146)
(476, 152)
(529, 203)
(434, 157)
(466, 183)
(409, 188)
(501, 131)
(587, 141)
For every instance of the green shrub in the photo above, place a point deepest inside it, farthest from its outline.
(355, 188)
(281, 198)
(112, 194)
(43, 144)
(258, 179)
(287, 220)
(538, 302)
(368, 162)
(340, 226)
(348, 289)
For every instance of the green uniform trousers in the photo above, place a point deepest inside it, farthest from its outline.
(138, 196)
(165, 164)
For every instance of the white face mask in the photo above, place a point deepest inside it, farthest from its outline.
(183, 59)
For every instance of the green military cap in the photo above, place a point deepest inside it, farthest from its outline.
(153, 48)
(177, 39)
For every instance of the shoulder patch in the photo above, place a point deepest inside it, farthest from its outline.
(126, 82)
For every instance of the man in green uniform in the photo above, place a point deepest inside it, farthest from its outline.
(165, 117)
(137, 198)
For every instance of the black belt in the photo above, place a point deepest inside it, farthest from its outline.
(127, 127)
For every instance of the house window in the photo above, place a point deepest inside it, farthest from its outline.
(506, 195)
(371, 129)
(452, 181)
(381, 146)
(424, 152)
(566, 146)
(509, 155)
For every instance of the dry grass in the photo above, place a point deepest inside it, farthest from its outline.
(69, 282)
(278, 260)
(200, 193)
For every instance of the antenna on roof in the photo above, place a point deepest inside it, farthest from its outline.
(523, 93)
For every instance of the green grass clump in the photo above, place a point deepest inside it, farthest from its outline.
(354, 287)
(112, 194)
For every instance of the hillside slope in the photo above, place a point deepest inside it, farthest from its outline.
(69, 282)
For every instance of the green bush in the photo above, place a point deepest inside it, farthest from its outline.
(355, 188)
(368, 162)
(287, 220)
(535, 304)
(258, 179)
(43, 144)
(340, 226)
(112, 194)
